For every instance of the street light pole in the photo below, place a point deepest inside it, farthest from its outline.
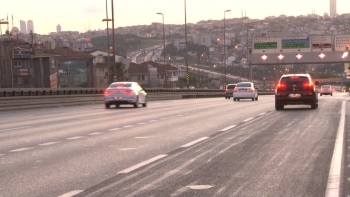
(109, 60)
(114, 68)
(224, 58)
(186, 56)
(164, 67)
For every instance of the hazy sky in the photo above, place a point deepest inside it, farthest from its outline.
(81, 15)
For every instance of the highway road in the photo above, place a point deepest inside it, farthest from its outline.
(197, 147)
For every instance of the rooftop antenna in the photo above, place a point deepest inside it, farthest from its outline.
(7, 19)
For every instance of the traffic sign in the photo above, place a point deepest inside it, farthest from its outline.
(295, 44)
(321, 43)
(266, 45)
(341, 42)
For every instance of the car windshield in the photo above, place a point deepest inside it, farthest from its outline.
(326, 87)
(244, 85)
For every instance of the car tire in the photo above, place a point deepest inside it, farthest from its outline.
(237, 99)
(229, 97)
(107, 106)
(136, 104)
(278, 106)
(331, 94)
(145, 103)
(256, 98)
(314, 105)
(234, 99)
(253, 99)
(320, 94)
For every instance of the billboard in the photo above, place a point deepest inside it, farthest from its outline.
(321, 43)
(341, 42)
(296, 44)
(266, 45)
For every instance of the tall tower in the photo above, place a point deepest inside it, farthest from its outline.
(30, 26)
(333, 8)
(23, 26)
(58, 28)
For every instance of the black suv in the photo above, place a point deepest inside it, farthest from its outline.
(296, 89)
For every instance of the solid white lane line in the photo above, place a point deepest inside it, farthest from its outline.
(228, 128)
(74, 138)
(115, 129)
(127, 126)
(262, 114)
(96, 133)
(21, 149)
(141, 123)
(132, 168)
(153, 121)
(194, 142)
(48, 143)
(15, 128)
(71, 193)
(335, 175)
(249, 119)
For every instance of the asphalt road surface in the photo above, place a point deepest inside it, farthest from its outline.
(197, 147)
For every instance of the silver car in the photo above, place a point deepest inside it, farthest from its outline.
(326, 90)
(125, 93)
(245, 90)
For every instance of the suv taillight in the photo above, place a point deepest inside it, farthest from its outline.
(281, 85)
(235, 90)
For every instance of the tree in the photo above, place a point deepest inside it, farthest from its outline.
(120, 71)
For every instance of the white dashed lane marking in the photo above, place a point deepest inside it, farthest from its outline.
(249, 119)
(127, 126)
(71, 193)
(75, 138)
(48, 143)
(123, 149)
(115, 129)
(228, 128)
(132, 168)
(22, 149)
(194, 142)
(96, 133)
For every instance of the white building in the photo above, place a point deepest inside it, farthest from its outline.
(58, 28)
(23, 27)
(333, 8)
(30, 26)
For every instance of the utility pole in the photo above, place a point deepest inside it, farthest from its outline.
(114, 66)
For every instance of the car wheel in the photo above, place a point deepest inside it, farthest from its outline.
(145, 103)
(253, 99)
(234, 99)
(331, 94)
(237, 99)
(136, 104)
(314, 105)
(107, 106)
(229, 97)
(278, 106)
(256, 98)
(320, 94)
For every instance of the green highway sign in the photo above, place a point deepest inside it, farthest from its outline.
(265, 45)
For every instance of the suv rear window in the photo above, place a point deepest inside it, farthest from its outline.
(326, 87)
(120, 85)
(231, 86)
(295, 80)
(244, 85)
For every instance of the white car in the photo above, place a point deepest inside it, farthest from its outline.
(245, 90)
(326, 90)
(125, 93)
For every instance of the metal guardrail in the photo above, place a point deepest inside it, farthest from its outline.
(12, 92)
